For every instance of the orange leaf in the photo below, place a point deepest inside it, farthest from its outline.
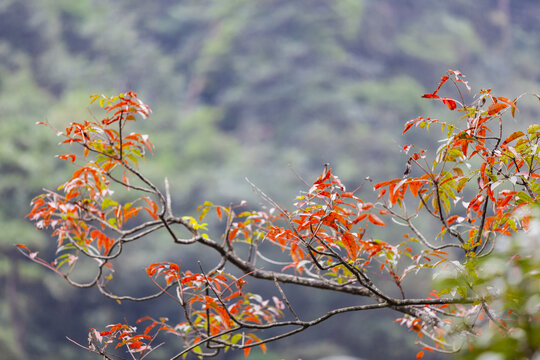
(108, 165)
(152, 207)
(443, 80)
(452, 219)
(420, 355)
(385, 183)
(511, 103)
(134, 211)
(150, 327)
(415, 185)
(70, 157)
(224, 315)
(495, 108)
(143, 318)
(410, 123)
(125, 180)
(359, 218)
(375, 220)
(449, 102)
(248, 349)
(513, 137)
(136, 344)
(218, 212)
(350, 245)
(434, 94)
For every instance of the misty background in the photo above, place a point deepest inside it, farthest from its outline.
(239, 88)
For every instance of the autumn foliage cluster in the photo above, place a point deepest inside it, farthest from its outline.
(478, 185)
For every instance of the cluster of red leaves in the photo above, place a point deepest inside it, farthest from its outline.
(216, 304)
(85, 218)
(473, 202)
(84, 215)
(329, 226)
(502, 170)
(449, 102)
(329, 230)
(220, 293)
(123, 335)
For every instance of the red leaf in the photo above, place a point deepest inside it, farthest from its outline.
(136, 344)
(443, 80)
(458, 76)
(449, 102)
(350, 245)
(408, 126)
(420, 355)
(70, 157)
(375, 220)
(152, 207)
(359, 218)
(385, 183)
(452, 219)
(415, 185)
(434, 95)
(125, 180)
(224, 315)
(495, 108)
(134, 211)
(410, 123)
(396, 192)
(240, 283)
(218, 212)
(144, 318)
(511, 103)
(513, 137)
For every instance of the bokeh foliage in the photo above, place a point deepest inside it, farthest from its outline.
(239, 88)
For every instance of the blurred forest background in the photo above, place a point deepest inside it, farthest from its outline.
(238, 88)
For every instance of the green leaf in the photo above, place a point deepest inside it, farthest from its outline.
(235, 338)
(65, 257)
(444, 291)
(450, 130)
(535, 186)
(245, 214)
(452, 154)
(524, 197)
(461, 184)
(511, 222)
(108, 202)
(445, 202)
(533, 129)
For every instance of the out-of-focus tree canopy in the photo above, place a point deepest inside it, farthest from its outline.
(239, 89)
